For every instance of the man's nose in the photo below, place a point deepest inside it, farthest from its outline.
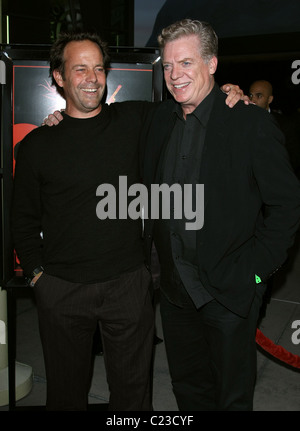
(91, 76)
(176, 72)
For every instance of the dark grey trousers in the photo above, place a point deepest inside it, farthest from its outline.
(68, 317)
(211, 354)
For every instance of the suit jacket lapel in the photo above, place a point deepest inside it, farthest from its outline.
(166, 138)
(215, 148)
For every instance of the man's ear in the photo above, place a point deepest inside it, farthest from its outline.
(270, 100)
(213, 63)
(58, 78)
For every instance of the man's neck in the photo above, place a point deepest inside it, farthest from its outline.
(74, 113)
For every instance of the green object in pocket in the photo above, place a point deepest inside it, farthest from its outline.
(257, 279)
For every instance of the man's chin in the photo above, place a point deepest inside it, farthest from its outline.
(91, 107)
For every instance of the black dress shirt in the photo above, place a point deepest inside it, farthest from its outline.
(181, 165)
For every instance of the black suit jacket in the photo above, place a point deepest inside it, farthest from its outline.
(252, 198)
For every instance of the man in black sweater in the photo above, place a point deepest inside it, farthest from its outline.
(84, 265)
(84, 269)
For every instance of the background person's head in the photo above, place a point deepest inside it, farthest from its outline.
(261, 93)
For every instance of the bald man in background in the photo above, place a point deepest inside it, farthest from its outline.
(261, 94)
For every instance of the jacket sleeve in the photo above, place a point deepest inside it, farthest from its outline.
(26, 212)
(280, 192)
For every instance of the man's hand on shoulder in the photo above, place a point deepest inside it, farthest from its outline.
(53, 119)
(234, 95)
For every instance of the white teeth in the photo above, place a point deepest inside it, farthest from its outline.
(180, 86)
(90, 90)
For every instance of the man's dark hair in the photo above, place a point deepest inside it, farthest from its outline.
(57, 51)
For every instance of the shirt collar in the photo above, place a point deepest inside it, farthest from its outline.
(203, 110)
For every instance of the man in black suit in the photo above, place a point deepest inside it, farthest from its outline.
(213, 279)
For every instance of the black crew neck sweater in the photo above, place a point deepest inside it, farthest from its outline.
(58, 171)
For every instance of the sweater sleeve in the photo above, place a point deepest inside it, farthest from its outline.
(26, 211)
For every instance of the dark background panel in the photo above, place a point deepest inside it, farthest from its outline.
(135, 82)
(278, 71)
(39, 22)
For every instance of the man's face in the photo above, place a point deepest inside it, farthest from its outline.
(260, 94)
(84, 79)
(188, 78)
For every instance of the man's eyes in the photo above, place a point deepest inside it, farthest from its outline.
(183, 64)
(97, 69)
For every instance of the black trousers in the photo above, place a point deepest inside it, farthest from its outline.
(211, 354)
(68, 316)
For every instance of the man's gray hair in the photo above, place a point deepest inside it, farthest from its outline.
(187, 27)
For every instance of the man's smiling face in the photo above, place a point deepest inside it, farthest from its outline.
(188, 77)
(84, 78)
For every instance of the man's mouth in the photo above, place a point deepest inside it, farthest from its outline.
(179, 86)
(90, 90)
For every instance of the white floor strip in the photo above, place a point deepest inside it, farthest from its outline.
(283, 300)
